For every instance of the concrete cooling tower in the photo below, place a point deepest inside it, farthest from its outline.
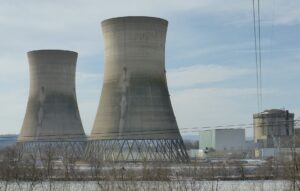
(52, 114)
(135, 120)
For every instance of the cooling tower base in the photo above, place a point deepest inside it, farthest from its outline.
(138, 150)
(53, 149)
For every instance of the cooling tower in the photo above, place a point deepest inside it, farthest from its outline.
(135, 119)
(52, 113)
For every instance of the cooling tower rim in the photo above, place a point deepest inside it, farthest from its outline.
(116, 19)
(53, 51)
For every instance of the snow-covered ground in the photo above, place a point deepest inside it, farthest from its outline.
(189, 185)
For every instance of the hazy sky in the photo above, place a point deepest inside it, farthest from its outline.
(209, 54)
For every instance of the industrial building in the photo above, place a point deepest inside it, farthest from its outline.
(228, 140)
(52, 114)
(135, 120)
(273, 128)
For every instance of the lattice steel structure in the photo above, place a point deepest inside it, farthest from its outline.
(138, 150)
(135, 120)
(52, 116)
(57, 148)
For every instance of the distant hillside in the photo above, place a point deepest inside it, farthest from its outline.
(7, 140)
(190, 137)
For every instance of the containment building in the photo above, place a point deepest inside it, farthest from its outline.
(273, 128)
(135, 119)
(52, 114)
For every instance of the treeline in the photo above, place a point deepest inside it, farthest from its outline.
(58, 163)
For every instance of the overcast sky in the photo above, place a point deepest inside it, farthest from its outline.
(209, 54)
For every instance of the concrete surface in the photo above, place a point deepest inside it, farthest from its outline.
(135, 102)
(52, 111)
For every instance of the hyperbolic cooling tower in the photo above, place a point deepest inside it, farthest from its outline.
(52, 113)
(135, 119)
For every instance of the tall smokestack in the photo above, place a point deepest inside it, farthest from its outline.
(135, 116)
(52, 113)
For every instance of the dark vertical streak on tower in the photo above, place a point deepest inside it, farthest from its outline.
(135, 107)
(52, 112)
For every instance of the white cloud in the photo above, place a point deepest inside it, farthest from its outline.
(75, 25)
(88, 111)
(202, 107)
(12, 68)
(57, 16)
(84, 77)
(197, 74)
(13, 106)
(282, 12)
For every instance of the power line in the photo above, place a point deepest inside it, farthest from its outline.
(259, 51)
(272, 26)
(256, 57)
(257, 47)
(157, 132)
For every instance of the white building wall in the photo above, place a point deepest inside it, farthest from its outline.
(207, 139)
(230, 139)
(223, 139)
